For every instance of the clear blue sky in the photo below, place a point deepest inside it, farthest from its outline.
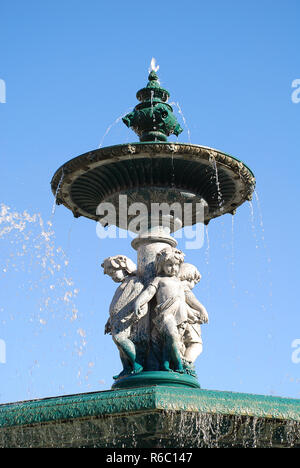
(71, 69)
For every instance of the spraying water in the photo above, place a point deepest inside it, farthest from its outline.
(207, 261)
(112, 125)
(253, 227)
(268, 258)
(33, 247)
(56, 193)
(36, 270)
(176, 104)
(153, 66)
(213, 162)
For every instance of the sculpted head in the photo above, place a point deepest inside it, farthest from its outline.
(168, 262)
(118, 267)
(190, 274)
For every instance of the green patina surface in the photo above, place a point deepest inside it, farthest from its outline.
(113, 402)
(153, 118)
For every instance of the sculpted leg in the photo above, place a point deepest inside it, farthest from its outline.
(166, 358)
(171, 351)
(127, 349)
(175, 356)
(193, 351)
(126, 366)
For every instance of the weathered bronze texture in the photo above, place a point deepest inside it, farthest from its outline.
(153, 118)
(152, 172)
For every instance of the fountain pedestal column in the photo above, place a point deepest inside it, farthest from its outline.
(148, 244)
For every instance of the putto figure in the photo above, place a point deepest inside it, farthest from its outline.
(171, 309)
(196, 314)
(118, 267)
(120, 323)
(157, 327)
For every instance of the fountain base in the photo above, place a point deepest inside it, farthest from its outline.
(159, 416)
(143, 379)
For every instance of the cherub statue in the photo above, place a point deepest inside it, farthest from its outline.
(171, 309)
(120, 323)
(196, 314)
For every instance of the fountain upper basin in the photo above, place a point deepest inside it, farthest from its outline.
(154, 173)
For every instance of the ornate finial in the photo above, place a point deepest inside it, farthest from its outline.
(153, 118)
(153, 76)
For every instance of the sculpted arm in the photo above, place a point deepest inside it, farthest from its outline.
(143, 299)
(193, 302)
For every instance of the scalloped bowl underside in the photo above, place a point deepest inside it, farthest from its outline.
(146, 169)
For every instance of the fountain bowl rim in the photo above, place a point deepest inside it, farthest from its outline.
(73, 169)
